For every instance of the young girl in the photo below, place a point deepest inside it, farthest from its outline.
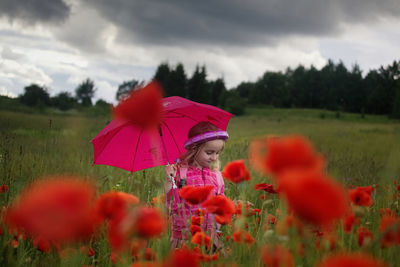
(198, 166)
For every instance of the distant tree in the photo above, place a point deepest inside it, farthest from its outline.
(126, 87)
(198, 87)
(163, 76)
(102, 103)
(234, 103)
(177, 81)
(35, 95)
(85, 92)
(244, 89)
(217, 89)
(63, 101)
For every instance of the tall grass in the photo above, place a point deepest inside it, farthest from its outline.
(359, 151)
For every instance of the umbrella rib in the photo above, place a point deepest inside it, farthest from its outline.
(183, 115)
(173, 138)
(137, 145)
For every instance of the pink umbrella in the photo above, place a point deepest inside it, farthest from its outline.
(127, 146)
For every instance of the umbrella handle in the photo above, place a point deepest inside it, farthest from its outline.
(171, 177)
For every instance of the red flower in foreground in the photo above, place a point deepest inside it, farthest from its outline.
(3, 188)
(143, 106)
(57, 210)
(364, 236)
(351, 260)
(349, 221)
(266, 187)
(195, 194)
(182, 257)
(313, 197)
(276, 256)
(390, 228)
(113, 205)
(236, 171)
(276, 154)
(200, 238)
(242, 236)
(361, 196)
(149, 222)
(222, 207)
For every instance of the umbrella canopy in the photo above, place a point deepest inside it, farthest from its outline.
(130, 147)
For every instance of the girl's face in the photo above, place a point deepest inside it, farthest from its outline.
(208, 153)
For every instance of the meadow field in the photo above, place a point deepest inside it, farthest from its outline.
(359, 151)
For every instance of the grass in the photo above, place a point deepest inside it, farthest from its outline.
(359, 150)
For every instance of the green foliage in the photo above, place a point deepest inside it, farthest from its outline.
(126, 87)
(35, 95)
(359, 152)
(63, 101)
(235, 104)
(85, 92)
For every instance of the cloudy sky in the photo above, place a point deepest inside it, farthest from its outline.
(59, 43)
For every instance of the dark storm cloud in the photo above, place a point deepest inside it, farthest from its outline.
(34, 11)
(236, 22)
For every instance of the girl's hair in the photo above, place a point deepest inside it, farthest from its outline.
(187, 158)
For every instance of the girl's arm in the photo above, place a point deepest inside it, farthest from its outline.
(170, 173)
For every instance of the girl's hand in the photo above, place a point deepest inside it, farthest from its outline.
(170, 171)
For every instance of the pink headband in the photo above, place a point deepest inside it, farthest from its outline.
(208, 136)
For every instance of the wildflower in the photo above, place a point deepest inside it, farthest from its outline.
(351, 260)
(242, 236)
(195, 194)
(313, 197)
(196, 220)
(3, 188)
(236, 171)
(57, 210)
(364, 236)
(349, 221)
(149, 222)
(361, 196)
(41, 244)
(276, 154)
(195, 228)
(142, 107)
(222, 207)
(113, 204)
(182, 257)
(276, 256)
(266, 187)
(200, 238)
(390, 228)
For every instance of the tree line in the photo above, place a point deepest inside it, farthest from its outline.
(333, 87)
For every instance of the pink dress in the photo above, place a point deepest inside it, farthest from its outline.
(181, 212)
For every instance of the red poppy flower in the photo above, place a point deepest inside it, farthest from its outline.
(266, 187)
(236, 171)
(3, 188)
(200, 238)
(222, 207)
(149, 222)
(276, 256)
(313, 197)
(195, 194)
(195, 228)
(364, 235)
(196, 220)
(113, 204)
(361, 196)
(58, 210)
(276, 154)
(242, 236)
(41, 244)
(142, 106)
(351, 260)
(349, 221)
(182, 257)
(390, 228)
